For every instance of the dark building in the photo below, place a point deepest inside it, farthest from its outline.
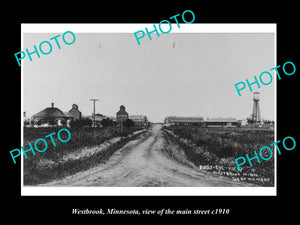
(53, 116)
(76, 114)
(122, 115)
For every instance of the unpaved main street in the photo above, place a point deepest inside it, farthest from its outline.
(145, 162)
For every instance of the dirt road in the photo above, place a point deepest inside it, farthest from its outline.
(145, 162)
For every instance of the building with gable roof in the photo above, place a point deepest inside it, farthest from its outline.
(74, 112)
(52, 116)
(122, 115)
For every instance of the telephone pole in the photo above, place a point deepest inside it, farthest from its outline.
(94, 100)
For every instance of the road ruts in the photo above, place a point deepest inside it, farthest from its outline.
(145, 162)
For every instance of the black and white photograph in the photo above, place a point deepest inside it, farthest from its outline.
(149, 112)
(165, 113)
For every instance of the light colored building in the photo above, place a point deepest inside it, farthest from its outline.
(184, 121)
(98, 118)
(222, 122)
(199, 121)
(139, 120)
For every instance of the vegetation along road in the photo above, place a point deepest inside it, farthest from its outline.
(152, 159)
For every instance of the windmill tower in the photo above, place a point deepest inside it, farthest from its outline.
(256, 112)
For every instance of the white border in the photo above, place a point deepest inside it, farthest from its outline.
(148, 191)
(275, 125)
(131, 28)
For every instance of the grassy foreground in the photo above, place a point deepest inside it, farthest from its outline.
(215, 149)
(48, 165)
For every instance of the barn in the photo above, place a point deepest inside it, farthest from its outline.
(52, 116)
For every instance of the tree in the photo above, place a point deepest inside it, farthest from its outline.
(128, 123)
(26, 122)
(81, 123)
(107, 122)
(50, 120)
(250, 121)
(38, 122)
(64, 122)
(32, 122)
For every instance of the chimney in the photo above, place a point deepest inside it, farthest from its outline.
(52, 105)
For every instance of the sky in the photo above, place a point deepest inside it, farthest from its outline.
(178, 74)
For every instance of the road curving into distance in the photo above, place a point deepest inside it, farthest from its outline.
(144, 162)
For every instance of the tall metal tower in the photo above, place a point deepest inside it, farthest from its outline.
(256, 112)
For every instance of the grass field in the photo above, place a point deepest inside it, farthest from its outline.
(214, 150)
(48, 165)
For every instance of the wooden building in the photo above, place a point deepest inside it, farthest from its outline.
(122, 115)
(183, 121)
(52, 116)
(98, 119)
(222, 122)
(199, 121)
(139, 120)
(76, 114)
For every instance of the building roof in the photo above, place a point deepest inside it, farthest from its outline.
(227, 120)
(137, 118)
(74, 108)
(98, 117)
(174, 119)
(51, 112)
(68, 114)
(122, 111)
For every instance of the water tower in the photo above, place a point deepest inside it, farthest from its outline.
(256, 112)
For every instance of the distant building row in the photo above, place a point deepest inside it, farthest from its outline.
(139, 120)
(54, 116)
(199, 121)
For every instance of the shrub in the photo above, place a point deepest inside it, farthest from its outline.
(128, 123)
(107, 122)
(81, 123)
(216, 146)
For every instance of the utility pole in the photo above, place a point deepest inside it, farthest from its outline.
(94, 100)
